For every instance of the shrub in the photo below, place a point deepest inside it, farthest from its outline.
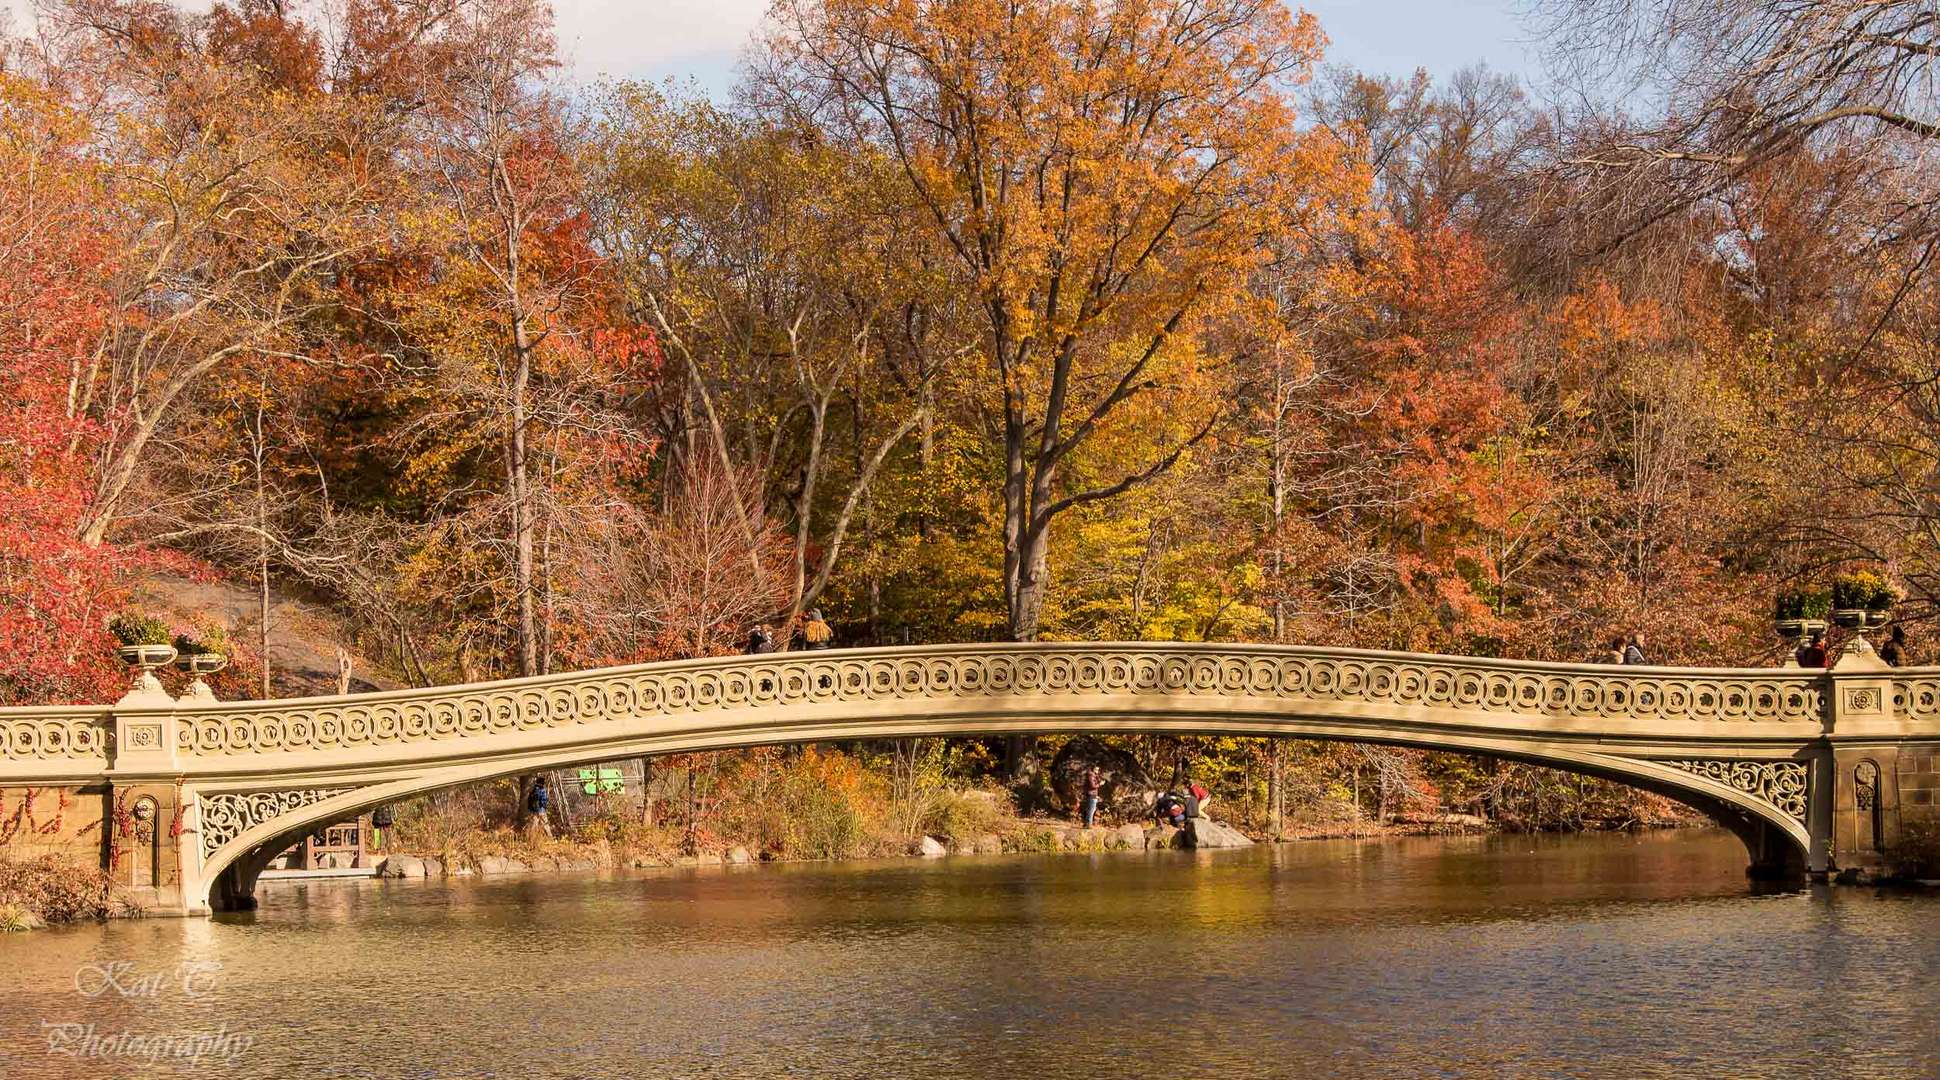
(135, 628)
(818, 822)
(1916, 853)
(963, 815)
(54, 889)
(1864, 589)
(1802, 604)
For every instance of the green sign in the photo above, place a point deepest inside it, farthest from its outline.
(602, 781)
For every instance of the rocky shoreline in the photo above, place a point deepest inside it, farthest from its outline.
(1034, 837)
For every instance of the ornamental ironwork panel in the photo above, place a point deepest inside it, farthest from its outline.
(229, 815)
(1779, 784)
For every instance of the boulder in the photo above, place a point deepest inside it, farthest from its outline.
(401, 866)
(1207, 833)
(434, 868)
(739, 855)
(928, 847)
(499, 864)
(1128, 837)
(707, 858)
(988, 844)
(1125, 790)
(1163, 838)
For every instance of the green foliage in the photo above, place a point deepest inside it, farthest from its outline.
(206, 637)
(1864, 589)
(137, 628)
(1802, 604)
(1916, 851)
(964, 815)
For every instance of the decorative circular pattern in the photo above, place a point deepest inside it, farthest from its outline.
(1293, 677)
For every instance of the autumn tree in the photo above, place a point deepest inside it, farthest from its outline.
(238, 193)
(1102, 176)
(774, 266)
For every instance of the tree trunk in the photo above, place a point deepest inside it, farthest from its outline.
(262, 554)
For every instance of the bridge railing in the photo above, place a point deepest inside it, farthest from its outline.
(943, 675)
(56, 739)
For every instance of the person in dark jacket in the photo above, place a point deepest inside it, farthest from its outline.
(1812, 653)
(760, 641)
(1170, 810)
(1633, 653)
(1894, 649)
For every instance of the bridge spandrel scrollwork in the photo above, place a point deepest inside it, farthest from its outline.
(1782, 785)
(1582, 697)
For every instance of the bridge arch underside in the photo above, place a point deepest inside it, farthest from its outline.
(1776, 838)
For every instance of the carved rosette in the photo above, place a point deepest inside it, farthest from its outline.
(1294, 677)
(229, 815)
(1780, 784)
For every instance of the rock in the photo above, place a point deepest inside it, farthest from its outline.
(434, 868)
(988, 844)
(707, 858)
(1125, 788)
(739, 855)
(1128, 838)
(1207, 833)
(1163, 838)
(929, 847)
(401, 866)
(499, 864)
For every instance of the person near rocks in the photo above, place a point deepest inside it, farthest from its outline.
(1197, 796)
(1170, 809)
(536, 803)
(1633, 652)
(816, 633)
(1812, 654)
(1614, 654)
(759, 641)
(1893, 650)
(1088, 789)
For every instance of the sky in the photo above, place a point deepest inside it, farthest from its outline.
(702, 39)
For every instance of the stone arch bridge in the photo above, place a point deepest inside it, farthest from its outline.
(1810, 768)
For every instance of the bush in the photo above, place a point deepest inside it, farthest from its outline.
(54, 889)
(1863, 590)
(1916, 854)
(818, 822)
(135, 628)
(1802, 604)
(963, 815)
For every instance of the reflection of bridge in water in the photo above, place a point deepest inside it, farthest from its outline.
(1809, 768)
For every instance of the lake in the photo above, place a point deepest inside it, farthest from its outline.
(1600, 955)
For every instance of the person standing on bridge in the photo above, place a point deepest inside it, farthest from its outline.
(1633, 653)
(1812, 654)
(760, 641)
(816, 633)
(1893, 651)
(1614, 654)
